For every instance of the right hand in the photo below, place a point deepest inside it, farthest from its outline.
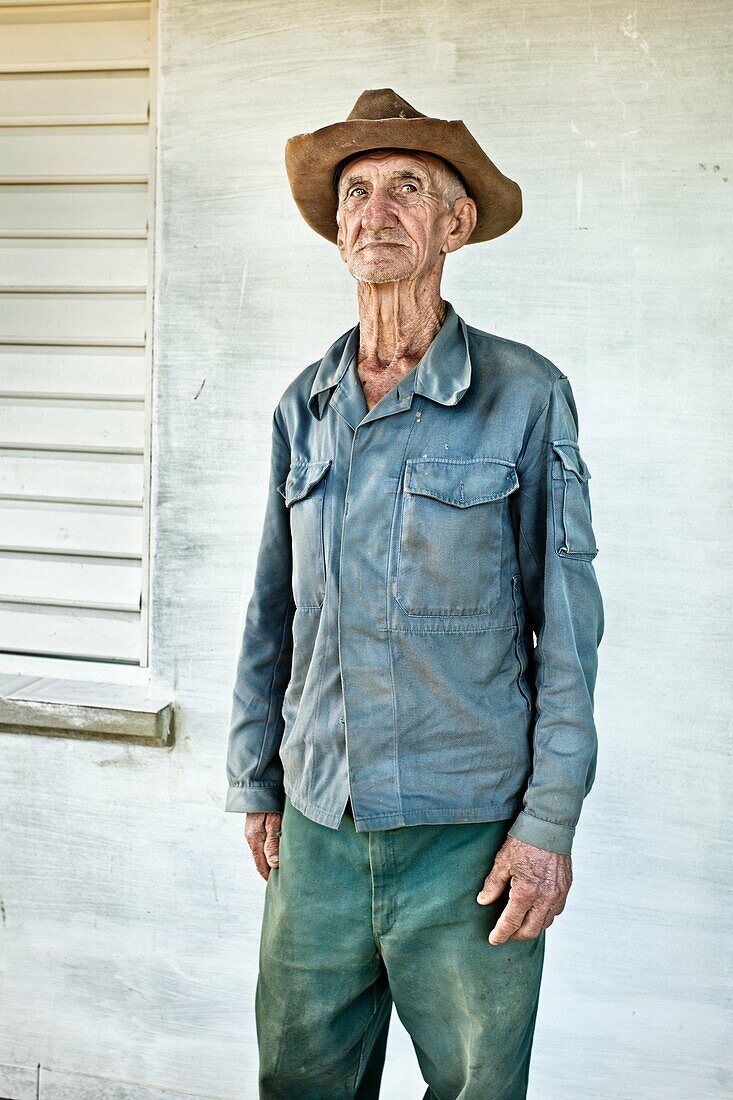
(260, 831)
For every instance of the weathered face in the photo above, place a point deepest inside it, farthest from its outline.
(393, 222)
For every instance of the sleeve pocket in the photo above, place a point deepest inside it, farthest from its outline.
(572, 517)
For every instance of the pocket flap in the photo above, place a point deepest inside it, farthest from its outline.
(475, 481)
(571, 458)
(301, 479)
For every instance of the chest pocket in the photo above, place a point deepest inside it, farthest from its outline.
(572, 519)
(304, 491)
(454, 521)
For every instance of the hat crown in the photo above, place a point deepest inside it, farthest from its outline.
(377, 103)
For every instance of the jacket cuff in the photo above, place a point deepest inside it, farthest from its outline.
(255, 800)
(543, 834)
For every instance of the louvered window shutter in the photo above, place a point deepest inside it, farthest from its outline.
(76, 165)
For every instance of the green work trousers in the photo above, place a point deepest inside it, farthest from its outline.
(356, 921)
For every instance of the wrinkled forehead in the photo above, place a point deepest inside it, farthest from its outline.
(376, 161)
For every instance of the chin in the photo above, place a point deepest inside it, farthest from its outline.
(366, 272)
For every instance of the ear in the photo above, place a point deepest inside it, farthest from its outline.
(463, 224)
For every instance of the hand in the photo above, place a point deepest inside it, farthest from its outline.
(261, 833)
(540, 882)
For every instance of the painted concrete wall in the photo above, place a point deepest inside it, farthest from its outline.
(132, 908)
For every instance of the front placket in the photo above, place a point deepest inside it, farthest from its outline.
(367, 674)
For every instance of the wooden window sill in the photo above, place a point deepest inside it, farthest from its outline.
(87, 709)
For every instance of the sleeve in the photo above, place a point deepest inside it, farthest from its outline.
(253, 767)
(564, 606)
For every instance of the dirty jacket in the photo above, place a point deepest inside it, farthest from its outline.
(423, 629)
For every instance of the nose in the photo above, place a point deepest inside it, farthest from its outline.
(377, 212)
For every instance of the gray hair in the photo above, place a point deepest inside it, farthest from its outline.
(451, 184)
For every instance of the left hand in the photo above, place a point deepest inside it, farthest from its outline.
(540, 882)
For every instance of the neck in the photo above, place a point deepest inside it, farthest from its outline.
(397, 324)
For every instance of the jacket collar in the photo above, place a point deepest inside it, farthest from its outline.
(443, 374)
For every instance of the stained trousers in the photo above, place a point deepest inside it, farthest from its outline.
(354, 922)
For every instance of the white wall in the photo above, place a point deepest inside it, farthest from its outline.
(132, 908)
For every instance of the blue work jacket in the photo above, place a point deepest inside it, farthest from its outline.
(423, 630)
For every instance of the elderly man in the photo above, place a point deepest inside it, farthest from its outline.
(412, 765)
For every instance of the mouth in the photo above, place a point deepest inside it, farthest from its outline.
(373, 244)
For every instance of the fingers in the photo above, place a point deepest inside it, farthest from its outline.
(513, 916)
(559, 904)
(255, 835)
(535, 920)
(272, 841)
(494, 884)
(261, 831)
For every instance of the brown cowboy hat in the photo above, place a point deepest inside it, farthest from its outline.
(381, 119)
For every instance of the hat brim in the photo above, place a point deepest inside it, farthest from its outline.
(312, 159)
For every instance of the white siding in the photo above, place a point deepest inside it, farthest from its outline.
(75, 171)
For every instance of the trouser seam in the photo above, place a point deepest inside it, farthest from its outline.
(375, 1011)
